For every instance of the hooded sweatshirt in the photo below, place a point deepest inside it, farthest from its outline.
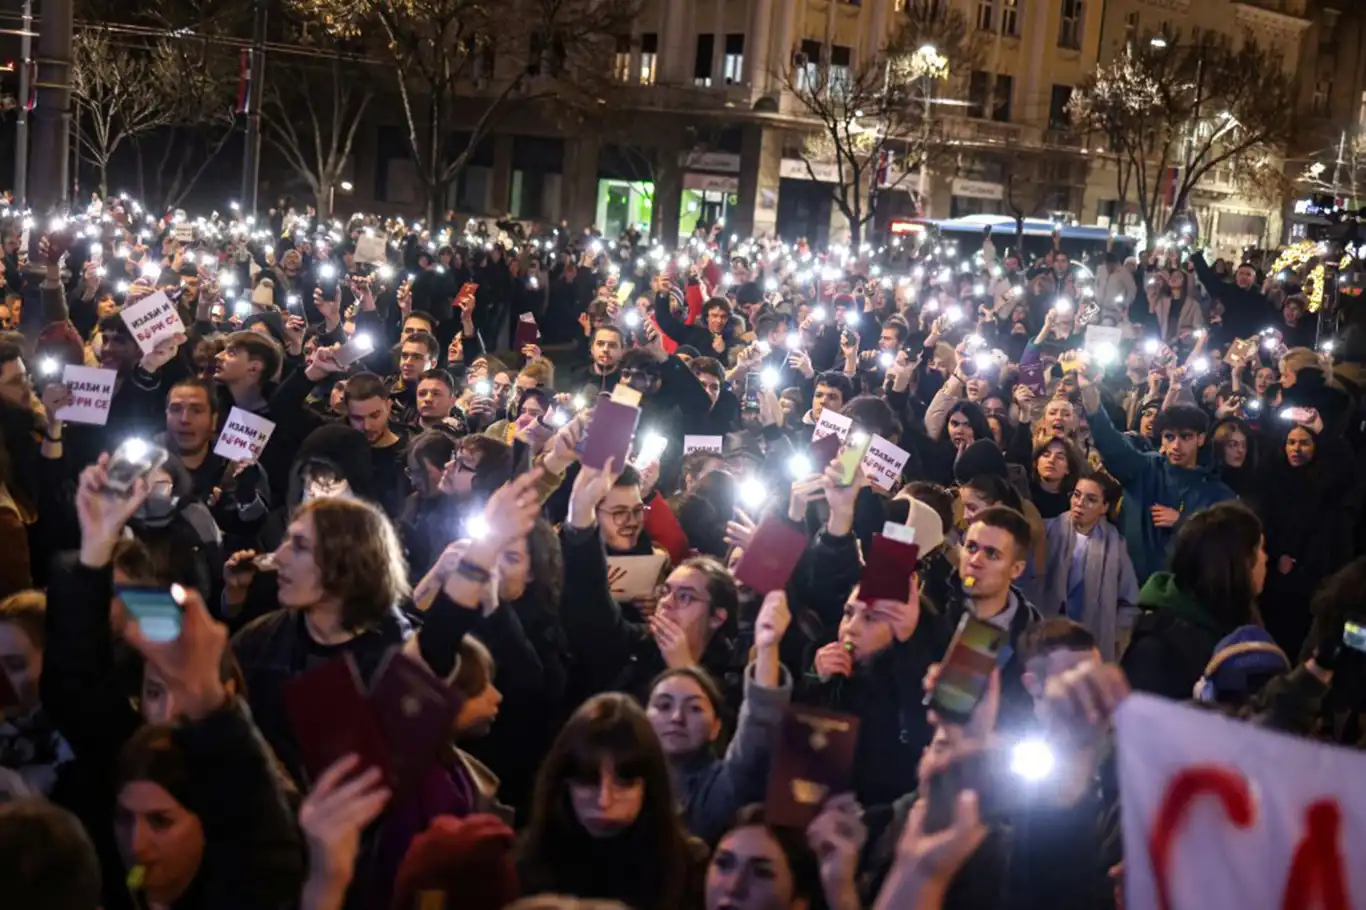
(1148, 480)
(1172, 640)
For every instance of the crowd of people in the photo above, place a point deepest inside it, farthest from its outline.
(422, 645)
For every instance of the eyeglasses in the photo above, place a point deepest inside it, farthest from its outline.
(621, 515)
(683, 597)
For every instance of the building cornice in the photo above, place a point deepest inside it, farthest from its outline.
(1252, 14)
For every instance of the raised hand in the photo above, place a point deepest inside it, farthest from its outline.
(189, 664)
(102, 513)
(590, 489)
(340, 806)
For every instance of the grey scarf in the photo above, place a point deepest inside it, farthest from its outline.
(1110, 588)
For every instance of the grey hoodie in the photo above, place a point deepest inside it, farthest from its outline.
(712, 791)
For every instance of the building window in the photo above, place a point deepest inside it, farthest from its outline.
(649, 57)
(1069, 29)
(978, 86)
(1323, 94)
(701, 71)
(809, 67)
(734, 70)
(621, 61)
(1058, 118)
(1328, 31)
(1010, 18)
(1005, 87)
(1131, 24)
(841, 59)
(986, 10)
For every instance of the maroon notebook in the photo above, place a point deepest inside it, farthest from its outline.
(1031, 377)
(609, 434)
(331, 717)
(888, 570)
(823, 451)
(772, 556)
(527, 331)
(813, 761)
(415, 711)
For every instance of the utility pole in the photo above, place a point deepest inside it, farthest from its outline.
(256, 84)
(52, 115)
(21, 121)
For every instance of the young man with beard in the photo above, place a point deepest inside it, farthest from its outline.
(712, 337)
(417, 354)
(191, 429)
(603, 369)
(368, 409)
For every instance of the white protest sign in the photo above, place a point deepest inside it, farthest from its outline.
(883, 463)
(1098, 335)
(1220, 813)
(244, 436)
(702, 444)
(151, 319)
(831, 423)
(634, 577)
(371, 250)
(91, 391)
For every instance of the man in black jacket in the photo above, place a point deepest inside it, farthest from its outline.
(616, 654)
(995, 552)
(712, 337)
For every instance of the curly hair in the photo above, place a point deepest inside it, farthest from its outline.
(359, 557)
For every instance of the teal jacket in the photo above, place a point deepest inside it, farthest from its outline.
(1149, 480)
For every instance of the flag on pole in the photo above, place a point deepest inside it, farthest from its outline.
(244, 83)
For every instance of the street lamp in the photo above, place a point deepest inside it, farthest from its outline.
(930, 65)
(1158, 42)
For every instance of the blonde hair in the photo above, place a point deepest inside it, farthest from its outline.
(1296, 359)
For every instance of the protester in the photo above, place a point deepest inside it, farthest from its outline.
(332, 464)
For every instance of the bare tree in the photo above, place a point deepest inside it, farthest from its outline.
(118, 91)
(310, 116)
(1175, 113)
(873, 122)
(202, 96)
(453, 59)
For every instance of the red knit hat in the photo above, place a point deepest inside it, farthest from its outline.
(467, 861)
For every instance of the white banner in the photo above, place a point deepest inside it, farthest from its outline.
(244, 436)
(371, 250)
(91, 391)
(831, 422)
(152, 319)
(634, 577)
(883, 463)
(1219, 813)
(702, 444)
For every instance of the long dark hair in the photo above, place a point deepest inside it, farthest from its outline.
(650, 860)
(801, 859)
(1212, 562)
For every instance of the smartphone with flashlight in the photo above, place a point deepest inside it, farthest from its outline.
(850, 459)
(360, 346)
(1003, 777)
(155, 609)
(966, 670)
(753, 383)
(133, 459)
(1354, 635)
